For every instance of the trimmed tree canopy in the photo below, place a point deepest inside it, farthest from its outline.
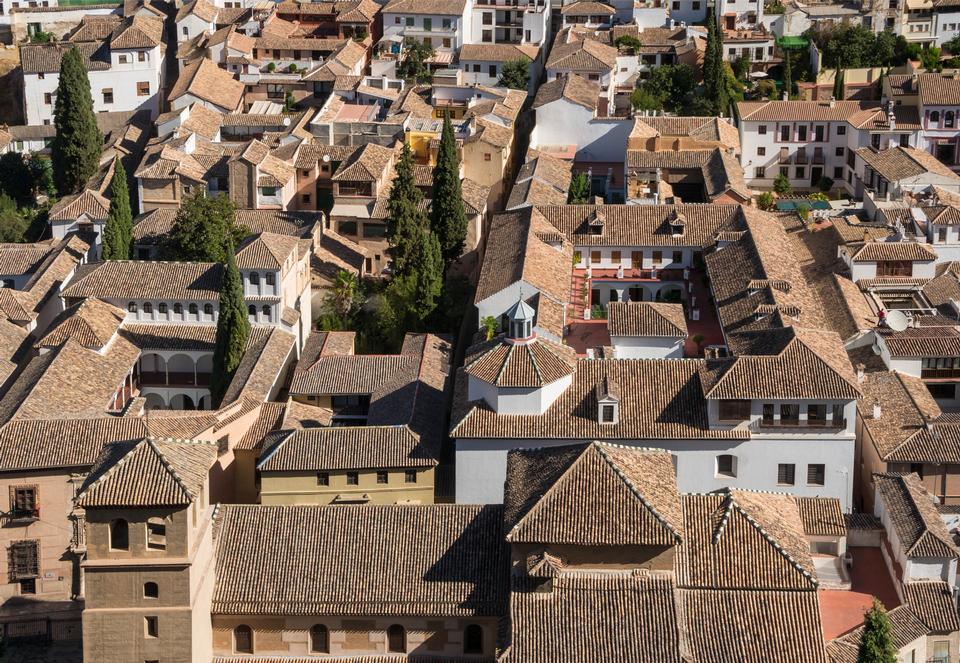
(118, 230)
(233, 330)
(76, 148)
(448, 217)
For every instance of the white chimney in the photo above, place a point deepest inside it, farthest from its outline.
(860, 373)
(876, 410)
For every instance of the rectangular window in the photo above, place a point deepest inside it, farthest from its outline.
(108, 95)
(816, 473)
(678, 256)
(816, 414)
(725, 466)
(615, 257)
(353, 478)
(819, 133)
(838, 414)
(838, 173)
(123, 59)
(487, 18)
(23, 502)
(141, 56)
(323, 479)
(487, 156)
(595, 257)
(151, 627)
(446, 23)
(492, 70)
(904, 140)
(941, 235)
(768, 413)
(802, 133)
(156, 535)
(657, 258)
(801, 172)
(381, 477)
(760, 172)
(841, 129)
(143, 89)
(396, 20)
(607, 414)
(24, 559)
(428, 24)
(410, 476)
(789, 414)
(409, 20)
(305, 198)
(47, 98)
(734, 410)
(761, 151)
(762, 130)
(786, 473)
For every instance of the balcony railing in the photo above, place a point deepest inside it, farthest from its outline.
(799, 424)
(174, 379)
(939, 373)
(21, 516)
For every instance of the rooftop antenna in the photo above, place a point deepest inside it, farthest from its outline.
(897, 321)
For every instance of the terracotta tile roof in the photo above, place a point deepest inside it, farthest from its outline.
(95, 28)
(91, 323)
(721, 172)
(20, 259)
(587, 55)
(900, 434)
(769, 625)
(205, 80)
(475, 196)
(148, 473)
(45, 58)
(507, 364)
(261, 371)
(588, 7)
(934, 604)
(347, 448)
(137, 32)
(266, 251)
(88, 202)
(814, 111)
(592, 495)
(69, 380)
(646, 319)
(497, 52)
(368, 164)
(202, 9)
(442, 560)
(701, 128)
(934, 341)
(667, 404)
(905, 629)
(938, 90)
(620, 617)
(269, 420)
(897, 251)
(574, 88)
(914, 517)
(122, 279)
(812, 364)
(53, 443)
(203, 121)
(821, 516)
(516, 253)
(905, 118)
(541, 180)
(900, 163)
(738, 539)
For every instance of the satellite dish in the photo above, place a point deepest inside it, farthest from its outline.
(897, 321)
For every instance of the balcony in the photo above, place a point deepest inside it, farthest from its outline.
(174, 379)
(18, 517)
(785, 156)
(818, 158)
(801, 157)
(940, 374)
(798, 425)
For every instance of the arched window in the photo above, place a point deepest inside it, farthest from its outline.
(397, 639)
(473, 639)
(120, 535)
(266, 311)
(132, 307)
(178, 308)
(254, 278)
(208, 309)
(271, 278)
(147, 307)
(243, 639)
(319, 639)
(162, 308)
(948, 119)
(151, 590)
(252, 310)
(935, 116)
(192, 309)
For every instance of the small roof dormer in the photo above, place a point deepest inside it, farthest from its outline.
(677, 223)
(596, 222)
(520, 322)
(608, 401)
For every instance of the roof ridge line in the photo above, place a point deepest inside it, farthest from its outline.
(769, 538)
(165, 462)
(112, 469)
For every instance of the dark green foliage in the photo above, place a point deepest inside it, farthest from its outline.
(405, 216)
(41, 174)
(765, 201)
(788, 73)
(781, 184)
(741, 68)
(448, 218)
(672, 86)
(414, 67)
(13, 226)
(233, 330)
(75, 150)
(515, 74)
(204, 230)
(953, 46)
(930, 59)
(289, 103)
(41, 37)
(825, 184)
(579, 189)
(854, 46)
(628, 43)
(641, 99)
(767, 89)
(774, 7)
(117, 237)
(16, 180)
(714, 74)
(876, 642)
(838, 85)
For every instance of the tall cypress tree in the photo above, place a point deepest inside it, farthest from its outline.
(787, 74)
(838, 84)
(233, 330)
(405, 217)
(876, 642)
(448, 218)
(427, 272)
(118, 231)
(76, 148)
(714, 69)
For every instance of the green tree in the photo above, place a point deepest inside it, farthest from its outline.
(76, 148)
(515, 74)
(16, 180)
(765, 201)
(767, 89)
(448, 218)
(930, 59)
(787, 73)
(404, 215)
(118, 230)
(579, 190)
(426, 275)
(628, 43)
(204, 229)
(13, 226)
(953, 46)
(781, 184)
(741, 68)
(233, 330)
(672, 86)
(838, 85)
(714, 76)
(642, 99)
(825, 184)
(343, 293)
(413, 65)
(876, 642)
(489, 324)
(41, 173)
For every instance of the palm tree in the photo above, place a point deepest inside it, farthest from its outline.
(344, 292)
